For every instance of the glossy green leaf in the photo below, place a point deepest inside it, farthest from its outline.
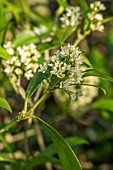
(93, 72)
(4, 104)
(4, 158)
(67, 157)
(72, 141)
(39, 160)
(4, 54)
(25, 37)
(34, 84)
(103, 104)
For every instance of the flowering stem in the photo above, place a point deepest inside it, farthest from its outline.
(81, 37)
(36, 104)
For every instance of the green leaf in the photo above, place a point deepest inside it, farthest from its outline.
(93, 72)
(98, 60)
(67, 157)
(72, 141)
(34, 84)
(93, 85)
(103, 104)
(4, 54)
(4, 158)
(4, 104)
(25, 37)
(85, 59)
(39, 160)
(60, 36)
(63, 33)
(48, 45)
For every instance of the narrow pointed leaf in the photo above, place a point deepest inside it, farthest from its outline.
(72, 141)
(67, 157)
(4, 104)
(34, 84)
(85, 59)
(96, 73)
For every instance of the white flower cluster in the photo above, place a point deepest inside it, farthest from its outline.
(24, 60)
(95, 17)
(72, 17)
(66, 65)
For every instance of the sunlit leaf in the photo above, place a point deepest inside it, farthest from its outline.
(86, 61)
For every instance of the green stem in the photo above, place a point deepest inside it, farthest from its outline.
(7, 127)
(81, 37)
(25, 105)
(36, 104)
(83, 5)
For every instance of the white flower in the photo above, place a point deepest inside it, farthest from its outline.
(97, 6)
(66, 65)
(72, 16)
(18, 71)
(28, 74)
(95, 17)
(24, 60)
(9, 48)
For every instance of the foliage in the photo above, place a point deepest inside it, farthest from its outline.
(39, 56)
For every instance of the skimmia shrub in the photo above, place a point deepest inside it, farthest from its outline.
(39, 60)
